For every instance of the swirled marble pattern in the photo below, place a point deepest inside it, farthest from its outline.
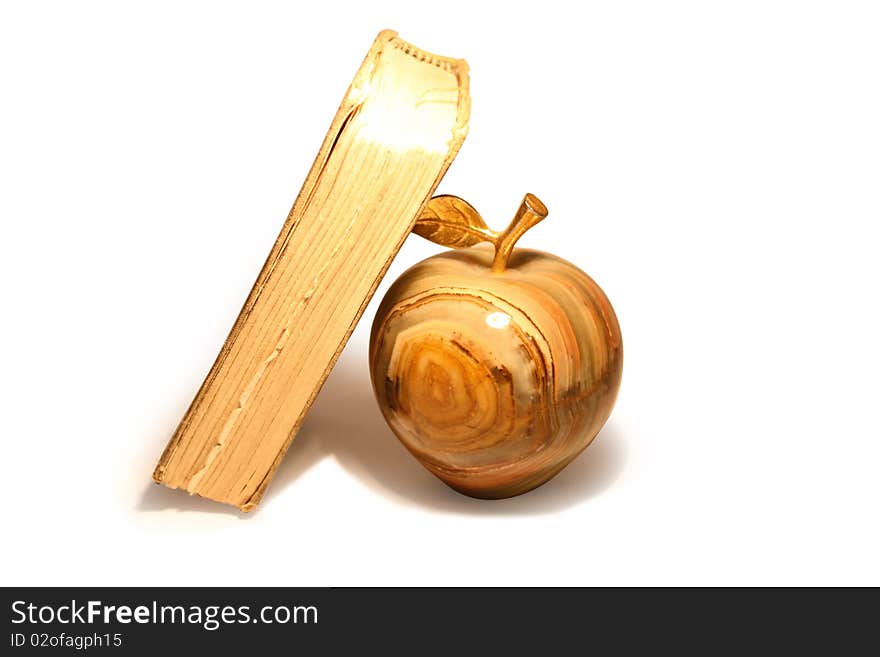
(495, 381)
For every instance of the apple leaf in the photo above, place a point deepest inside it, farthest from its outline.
(453, 222)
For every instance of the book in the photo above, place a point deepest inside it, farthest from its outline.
(396, 132)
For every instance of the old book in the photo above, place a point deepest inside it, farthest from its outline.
(395, 134)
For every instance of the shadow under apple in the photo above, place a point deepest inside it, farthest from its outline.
(346, 423)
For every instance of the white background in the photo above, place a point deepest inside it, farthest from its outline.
(714, 166)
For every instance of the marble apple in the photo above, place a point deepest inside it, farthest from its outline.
(494, 366)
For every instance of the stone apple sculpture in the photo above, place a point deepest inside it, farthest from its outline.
(494, 366)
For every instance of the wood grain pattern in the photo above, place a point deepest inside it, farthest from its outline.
(495, 380)
(398, 128)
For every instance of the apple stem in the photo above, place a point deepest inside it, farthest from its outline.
(531, 211)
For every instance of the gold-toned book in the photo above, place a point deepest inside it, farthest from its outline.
(395, 134)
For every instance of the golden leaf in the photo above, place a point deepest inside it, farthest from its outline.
(453, 222)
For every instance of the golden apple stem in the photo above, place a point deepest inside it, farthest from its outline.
(531, 211)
